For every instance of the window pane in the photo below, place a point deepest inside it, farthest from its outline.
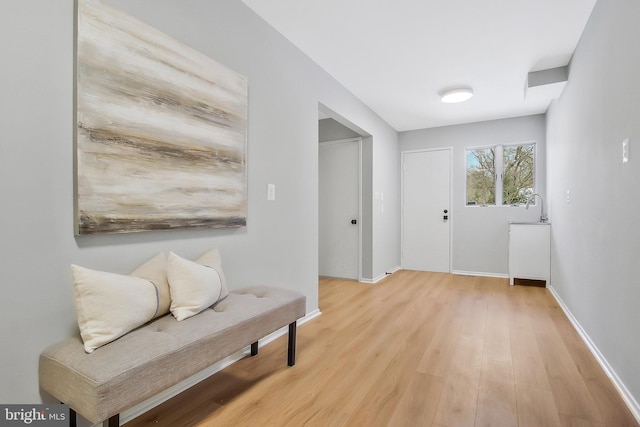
(481, 172)
(518, 174)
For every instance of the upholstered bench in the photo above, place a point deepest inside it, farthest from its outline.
(149, 359)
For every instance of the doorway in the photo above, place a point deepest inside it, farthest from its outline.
(339, 209)
(426, 212)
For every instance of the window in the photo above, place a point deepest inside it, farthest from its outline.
(481, 173)
(500, 175)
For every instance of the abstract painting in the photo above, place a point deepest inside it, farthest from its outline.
(160, 138)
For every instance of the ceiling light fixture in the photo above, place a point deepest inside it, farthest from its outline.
(456, 95)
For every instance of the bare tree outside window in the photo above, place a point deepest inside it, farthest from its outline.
(517, 180)
(481, 177)
(500, 175)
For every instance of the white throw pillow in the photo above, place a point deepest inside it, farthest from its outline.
(213, 259)
(193, 286)
(155, 270)
(110, 305)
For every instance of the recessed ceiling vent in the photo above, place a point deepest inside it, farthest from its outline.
(549, 82)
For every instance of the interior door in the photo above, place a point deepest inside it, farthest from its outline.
(426, 195)
(339, 209)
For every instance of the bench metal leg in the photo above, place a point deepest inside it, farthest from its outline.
(254, 348)
(112, 422)
(73, 417)
(291, 356)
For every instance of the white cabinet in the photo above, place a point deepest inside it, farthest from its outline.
(529, 251)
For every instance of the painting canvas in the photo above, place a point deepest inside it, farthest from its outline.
(160, 130)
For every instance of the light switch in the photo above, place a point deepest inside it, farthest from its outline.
(625, 151)
(271, 191)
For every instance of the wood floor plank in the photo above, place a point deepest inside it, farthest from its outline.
(416, 349)
(418, 405)
(457, 407)
(388, 383)
(528, 366)
(497, 371)
(496, 404)
(497, 341)
(437, 357)
(611, 407)
(467, 356)
(536, 407)
(568, 387)
(568, 421)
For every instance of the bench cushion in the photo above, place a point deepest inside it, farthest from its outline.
(162, 353)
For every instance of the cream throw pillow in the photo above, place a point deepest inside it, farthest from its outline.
(110, 305)
(193, 286)
(213, 259)
(155, 270)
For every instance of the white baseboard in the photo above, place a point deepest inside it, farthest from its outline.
(480, 273)
(628, 398)
(167, 394)
(393, 270)
(380, 277)
(458, 272)
(309, 316)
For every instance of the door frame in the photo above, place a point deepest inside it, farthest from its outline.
(451, 217)
(357, 140)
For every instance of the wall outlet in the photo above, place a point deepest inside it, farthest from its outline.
(271, 191)
(568, 196)
(625, 151)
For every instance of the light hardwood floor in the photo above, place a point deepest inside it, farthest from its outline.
(417, 349)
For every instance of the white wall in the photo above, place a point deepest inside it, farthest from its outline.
(596, 237)
(331, 130)
(279, 246)
(386, 210)
(481, 234)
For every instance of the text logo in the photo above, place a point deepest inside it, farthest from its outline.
(34, 415)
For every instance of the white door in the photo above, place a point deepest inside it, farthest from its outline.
(339, 204)
(426, 189)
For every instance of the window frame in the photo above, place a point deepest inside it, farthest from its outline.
(499, 172)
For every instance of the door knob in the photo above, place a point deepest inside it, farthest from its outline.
(354, 221)
(445, 216)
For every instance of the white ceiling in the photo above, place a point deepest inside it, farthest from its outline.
(397, 55)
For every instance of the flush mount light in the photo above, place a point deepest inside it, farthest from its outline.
(456, 95)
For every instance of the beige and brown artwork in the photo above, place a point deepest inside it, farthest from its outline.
(160, 130)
